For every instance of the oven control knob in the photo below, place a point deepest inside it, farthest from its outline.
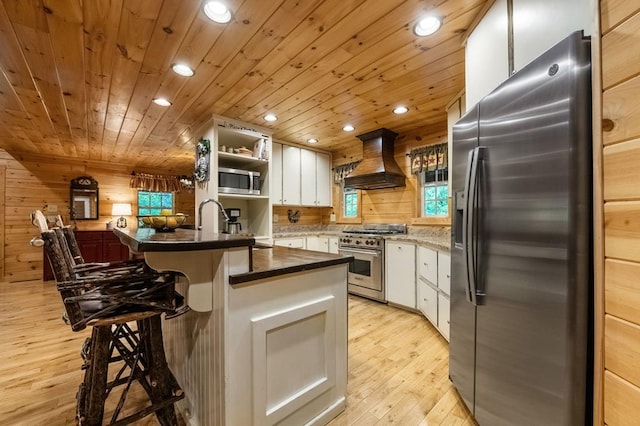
(358, 242)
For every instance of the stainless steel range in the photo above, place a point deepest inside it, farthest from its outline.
(366, 245)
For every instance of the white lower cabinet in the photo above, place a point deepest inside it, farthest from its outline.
(314, 243)
(428, 301)
(400, 271)
(434, 284)
(444, 273)
(318, 244)
(443, 314)
(290, 242)
(333, 245)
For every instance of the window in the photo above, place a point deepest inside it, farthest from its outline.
(150, 202)
(435, 193)
(350, 202)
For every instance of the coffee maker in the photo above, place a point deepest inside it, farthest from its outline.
(232, 226)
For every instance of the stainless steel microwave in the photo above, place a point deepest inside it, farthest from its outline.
(235, 181)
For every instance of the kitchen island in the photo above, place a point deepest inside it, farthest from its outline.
(272, 348)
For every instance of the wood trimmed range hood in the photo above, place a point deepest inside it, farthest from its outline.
(378, 168)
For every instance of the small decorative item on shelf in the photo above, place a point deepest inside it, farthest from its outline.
(293, 217)
(201, 171)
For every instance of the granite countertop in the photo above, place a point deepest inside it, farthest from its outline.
(147, 239)
(276, 261)
(437, 240)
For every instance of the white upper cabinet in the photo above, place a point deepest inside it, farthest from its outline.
(315, 178)
(300, 177)
(323, 184)
(308, 177)
(276, 174)
(487, 54)
(291, 175)
(537, 26)
(560, 18)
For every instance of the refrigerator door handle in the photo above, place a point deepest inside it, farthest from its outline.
(469, 240)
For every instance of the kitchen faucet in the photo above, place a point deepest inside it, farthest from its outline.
(210, 200)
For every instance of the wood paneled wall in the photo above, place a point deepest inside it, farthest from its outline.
(308, 215)
(620, 27)
(38, 182)
(393, 205)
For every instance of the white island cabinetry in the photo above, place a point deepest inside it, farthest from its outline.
(264, 344)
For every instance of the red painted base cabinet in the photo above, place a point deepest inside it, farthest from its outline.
(95, 246)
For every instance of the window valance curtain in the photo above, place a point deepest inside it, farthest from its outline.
(160, 183)
(342, 171)
(429, 158)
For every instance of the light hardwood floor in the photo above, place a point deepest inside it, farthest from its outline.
(398, 364)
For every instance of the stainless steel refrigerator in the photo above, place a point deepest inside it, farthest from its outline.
(521, 297)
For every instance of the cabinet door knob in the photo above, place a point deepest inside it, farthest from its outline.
(448, 276)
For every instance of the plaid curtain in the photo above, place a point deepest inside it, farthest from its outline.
(429, 158)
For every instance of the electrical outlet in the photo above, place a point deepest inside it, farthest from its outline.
(332, 217)
(52, 208)
(275, 218)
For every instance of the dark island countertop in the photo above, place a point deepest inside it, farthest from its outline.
(147, 239)
(276, 261)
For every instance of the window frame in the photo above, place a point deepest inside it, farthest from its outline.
(422, 218)
(349, 219)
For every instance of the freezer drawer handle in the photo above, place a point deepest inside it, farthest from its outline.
(468, 222)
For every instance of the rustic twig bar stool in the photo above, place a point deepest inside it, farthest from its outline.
(108, 301)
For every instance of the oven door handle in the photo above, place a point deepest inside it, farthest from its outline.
(373, 253)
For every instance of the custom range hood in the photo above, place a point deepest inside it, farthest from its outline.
(378, 169)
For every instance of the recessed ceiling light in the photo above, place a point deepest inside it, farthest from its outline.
(427, 26)
(348, 128)
(400, 109)
(270, 117)
(312, 140)
(217, 12)
(162, 102)
(183, 70)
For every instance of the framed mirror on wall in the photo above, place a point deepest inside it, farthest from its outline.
(84, 198)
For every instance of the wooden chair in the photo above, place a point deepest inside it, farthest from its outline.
(108, 302)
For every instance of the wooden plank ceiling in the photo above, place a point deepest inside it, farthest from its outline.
(78, 76)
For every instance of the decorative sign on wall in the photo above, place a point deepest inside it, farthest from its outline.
(201, 171)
